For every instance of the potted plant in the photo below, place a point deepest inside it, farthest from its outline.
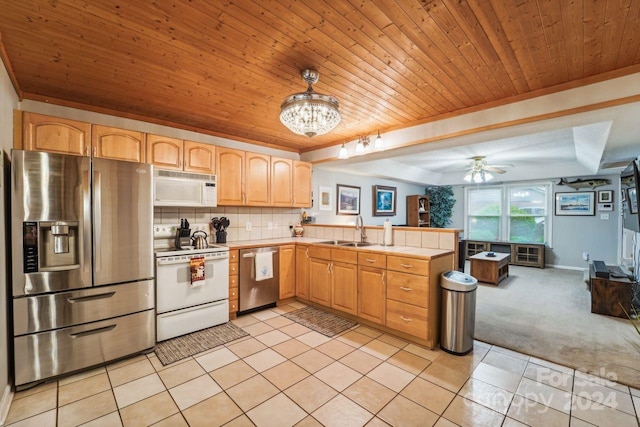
(441, 203)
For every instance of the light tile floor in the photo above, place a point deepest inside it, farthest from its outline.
(285, 374)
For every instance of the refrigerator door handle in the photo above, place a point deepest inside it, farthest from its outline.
(97, 214)
(86, 223)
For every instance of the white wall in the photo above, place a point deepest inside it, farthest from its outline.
(331, 179)
(8, 102)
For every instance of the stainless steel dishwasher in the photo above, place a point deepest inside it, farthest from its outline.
(253, 294)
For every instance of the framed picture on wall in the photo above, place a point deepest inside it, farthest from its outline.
(580, 203)
(605, 196)
(348, 200)
(325, 198)
(384, 200)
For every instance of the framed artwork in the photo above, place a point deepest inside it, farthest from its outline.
(348, 200)
(325, 198)
(384, 200)
(633, 200)
(580, 203)
(605, 196)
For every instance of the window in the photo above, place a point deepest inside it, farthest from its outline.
(526, 219)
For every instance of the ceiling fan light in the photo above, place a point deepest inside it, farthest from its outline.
(487, 176)
(477, 177)
(310, 113)
(379, 143)
(468, 176)
(343, 154)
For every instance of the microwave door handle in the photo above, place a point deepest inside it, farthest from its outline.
(97, 213)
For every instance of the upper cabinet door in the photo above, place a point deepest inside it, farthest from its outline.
(199, 157)
(164, 152)
(117, 144)
(281, 182)
(56, 135)
(301, 184)
(257, 179)
(230, 171)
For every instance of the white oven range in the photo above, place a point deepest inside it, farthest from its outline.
(183, 308)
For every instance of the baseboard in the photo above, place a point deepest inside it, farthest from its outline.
(566, 267)
(5, 403)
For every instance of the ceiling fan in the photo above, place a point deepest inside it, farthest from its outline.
(479, 171)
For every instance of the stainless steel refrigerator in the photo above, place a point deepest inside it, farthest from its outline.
(82, 262)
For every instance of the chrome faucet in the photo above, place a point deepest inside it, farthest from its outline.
(360, 226)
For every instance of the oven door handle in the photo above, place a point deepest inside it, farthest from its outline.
(180, 260)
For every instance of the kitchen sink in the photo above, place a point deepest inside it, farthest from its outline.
(348, 243)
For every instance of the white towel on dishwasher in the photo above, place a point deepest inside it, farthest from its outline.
(264, 265)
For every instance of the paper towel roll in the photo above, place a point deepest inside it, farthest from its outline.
(387, 239)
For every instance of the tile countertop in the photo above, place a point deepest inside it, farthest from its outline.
(390, 250)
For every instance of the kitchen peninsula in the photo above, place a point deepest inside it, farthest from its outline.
(392, 288)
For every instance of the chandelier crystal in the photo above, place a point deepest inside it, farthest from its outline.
(310, 113)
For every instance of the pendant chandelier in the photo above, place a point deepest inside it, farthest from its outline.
(310, 113)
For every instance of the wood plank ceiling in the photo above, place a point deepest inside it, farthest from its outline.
(223, 67)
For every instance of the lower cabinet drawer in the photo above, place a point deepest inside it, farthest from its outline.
(233, 293)
(408, 288)
(180, 322)
(48, 354)
(407, 318)
(43, 312)
(233, 305)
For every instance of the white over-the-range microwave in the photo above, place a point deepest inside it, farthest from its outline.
(172, 188)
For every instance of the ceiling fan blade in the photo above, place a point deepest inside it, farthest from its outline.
(494, 169)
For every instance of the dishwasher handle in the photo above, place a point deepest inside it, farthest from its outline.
(253, 254)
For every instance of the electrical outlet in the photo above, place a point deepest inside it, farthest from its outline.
(270, 225)
(585, 256)
(604, 216)
(248, 226)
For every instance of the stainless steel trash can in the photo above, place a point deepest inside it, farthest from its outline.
(458, 312)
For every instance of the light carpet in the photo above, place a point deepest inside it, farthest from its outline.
(547, 313)
(178, 348)
(320, 321)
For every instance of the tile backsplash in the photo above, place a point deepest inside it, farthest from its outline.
(265, 223)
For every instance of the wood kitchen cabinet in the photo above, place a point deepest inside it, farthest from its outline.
(117, 144)
(372, 287)
(281, 182)
(64, 136)
(290, 183)
(243, 178)
(287, 270)
(233, 282)
(177, 154)
(344, 280)
(301, 184)
(302, 271)
(52, 134)
(257, 184)
(320, 281)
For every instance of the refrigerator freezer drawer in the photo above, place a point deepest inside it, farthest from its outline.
(45, 312)
(192, 319)
(49, 354)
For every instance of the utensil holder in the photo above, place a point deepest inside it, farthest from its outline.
(221, 237)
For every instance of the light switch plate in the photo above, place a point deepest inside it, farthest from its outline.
(248, 226)
(604, 216)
